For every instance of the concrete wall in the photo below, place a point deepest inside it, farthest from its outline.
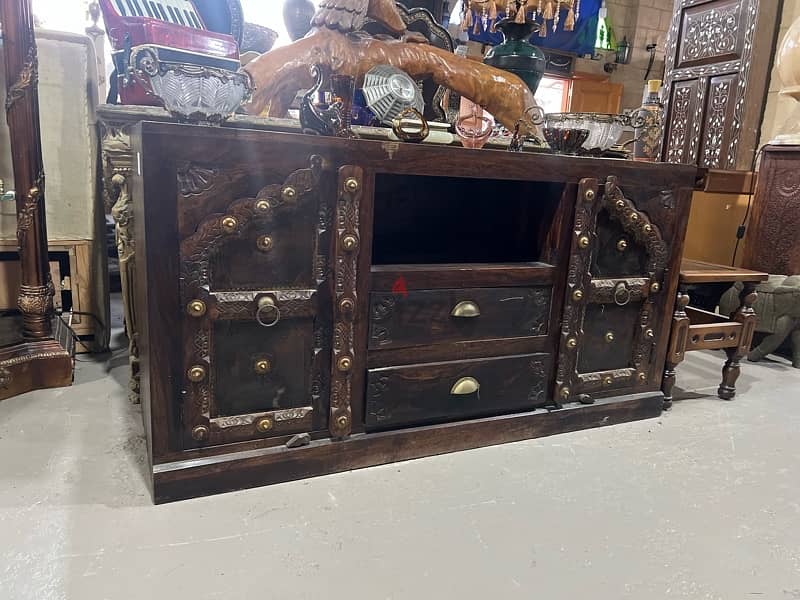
(779, 107)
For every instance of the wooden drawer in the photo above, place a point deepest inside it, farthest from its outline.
(427, 393)
(425, 317)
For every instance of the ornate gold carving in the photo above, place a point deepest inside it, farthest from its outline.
(35, 300)
(30, 208)
(28, 77)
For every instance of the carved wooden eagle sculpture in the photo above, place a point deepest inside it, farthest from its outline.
(349, 16)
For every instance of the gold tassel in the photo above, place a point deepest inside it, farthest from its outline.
(492, 16)
(543, 30)
(520, 18)
(466, 22)
(569, 22)
(548, 10)
(476, 29)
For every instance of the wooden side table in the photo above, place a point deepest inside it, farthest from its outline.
(697, 329)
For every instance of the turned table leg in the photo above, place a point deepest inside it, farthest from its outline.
(677, 346)
(747, 317)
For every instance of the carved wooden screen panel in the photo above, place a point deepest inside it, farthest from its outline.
(255, 285)
(613, 304)
(718, 54)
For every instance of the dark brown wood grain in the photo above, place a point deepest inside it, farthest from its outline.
(424, 393)
(339, 235)
(424, 317)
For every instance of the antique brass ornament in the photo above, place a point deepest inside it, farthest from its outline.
(620, 204)
(347, 305)
(267, 308)
(564, 393)
(410, 132)
(289, 193)
(608, 380)
(344, 364)
(609, 337)
(466, 310)
(351, 185)
(647, 228)
(642, 376)
(343, 421)
(349, 242)
(200, 433)
(229, 224)
(265, 243)
(622, 245)
(634, 216)
(263, 366)
(649, 334)
(262, 206)
(577, 295)
(196, 374)
(583, 242)
(464, 386)
(572, 343)
(589, 195)
(196, 308)
(655, 287)
(265, 424)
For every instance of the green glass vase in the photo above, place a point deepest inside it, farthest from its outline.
(516, 55)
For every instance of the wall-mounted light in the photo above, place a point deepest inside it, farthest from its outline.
(621, 57)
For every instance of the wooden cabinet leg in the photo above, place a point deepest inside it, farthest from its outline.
(747, 317)
(677, 346)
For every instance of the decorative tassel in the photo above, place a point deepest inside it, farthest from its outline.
(523, 8)
(543, 29)
(476, 28)
(466, 22)
(492, 16)
(548, 10)
(569, 22)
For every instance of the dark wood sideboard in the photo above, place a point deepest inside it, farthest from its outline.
(309, 305)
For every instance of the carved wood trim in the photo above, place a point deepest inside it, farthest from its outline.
(583, 290)
(347, 248)
(196, 253)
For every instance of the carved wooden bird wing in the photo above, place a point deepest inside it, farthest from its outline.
(350, 15)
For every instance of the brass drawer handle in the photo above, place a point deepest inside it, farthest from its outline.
(466, 310)
(266, 305)
(464, 386)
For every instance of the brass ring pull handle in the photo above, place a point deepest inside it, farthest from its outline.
(465, 386)
(622, 295)
(466, 310)
(418, 133)
(267, 308)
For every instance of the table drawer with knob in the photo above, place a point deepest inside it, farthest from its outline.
(425, 317)
(436, 392)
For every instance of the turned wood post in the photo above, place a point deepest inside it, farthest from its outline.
(22, 113)
(747, 317)
(677, 346)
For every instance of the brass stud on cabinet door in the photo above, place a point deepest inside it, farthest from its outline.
(229, 224)
(608, 381)
(351, 185)
(622, 245)
(642, 377)
(264, 425)
(649, 334)
(564, 393)
(263, 366)
(349, 242)
(620, 204)
(196, 308)
(289, 193)
(609, 337)
(572, 343)
(577, 295)
(196, 373)
(583, 241)
(589, 195)
(344, 364)
(648, 228)
(634, 216)
(262, 206)
(265, 243)
(655, 287)
(347, 305)
(343, 421)
(200, 433)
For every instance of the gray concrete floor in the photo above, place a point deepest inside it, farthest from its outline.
(703, 502)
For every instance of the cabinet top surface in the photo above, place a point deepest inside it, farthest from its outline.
(239, 144)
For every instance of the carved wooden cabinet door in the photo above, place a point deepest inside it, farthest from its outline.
(717, 72)
(256, 291)
(613, 306)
